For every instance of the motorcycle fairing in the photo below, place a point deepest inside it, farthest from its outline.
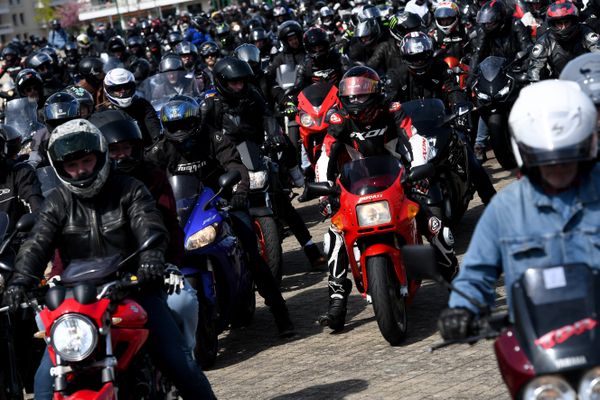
(251, 157)
(552, 304)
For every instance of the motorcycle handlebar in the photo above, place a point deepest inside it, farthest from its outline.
(486, 327)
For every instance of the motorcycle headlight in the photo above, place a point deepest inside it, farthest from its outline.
(504, 91)
(258, 179)
(74, 337)
(373, 213)
(549, 387)
(589, 386)
(482, 96)
(203, 237)
(306, 120)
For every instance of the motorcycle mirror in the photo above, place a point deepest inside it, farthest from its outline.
(149, 243)
(421, 172)
(5, 267)
(316, 189)
(420, 263)
(229, 179)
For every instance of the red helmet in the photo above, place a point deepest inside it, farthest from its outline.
(563, 19)
(360, 93)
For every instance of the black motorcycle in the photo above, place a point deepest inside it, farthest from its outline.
(449, 191)
(496, 88)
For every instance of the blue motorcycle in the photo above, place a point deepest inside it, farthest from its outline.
(214, 262)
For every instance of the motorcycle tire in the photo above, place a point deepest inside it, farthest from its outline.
(243, 312)
(269, 245)
(389, 305)
(207, 337)
(500, 141)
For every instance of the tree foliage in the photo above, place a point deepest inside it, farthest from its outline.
(69, 15)
(46, 12)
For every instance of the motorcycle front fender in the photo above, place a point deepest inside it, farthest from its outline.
(382, 249)
(107, 392)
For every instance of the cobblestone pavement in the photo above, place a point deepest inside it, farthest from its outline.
(357, 363)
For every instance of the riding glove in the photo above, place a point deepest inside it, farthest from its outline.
(455, 323)
(173, 279)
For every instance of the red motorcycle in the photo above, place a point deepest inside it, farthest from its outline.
(459, 69)
(93, 333)
(313, 104)
(549, 350)
(377, 219)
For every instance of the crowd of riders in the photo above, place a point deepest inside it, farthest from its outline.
(98, 129)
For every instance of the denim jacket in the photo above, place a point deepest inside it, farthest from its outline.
(521, 228)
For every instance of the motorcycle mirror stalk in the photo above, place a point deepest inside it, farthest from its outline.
(420, 263)
(226, 181)
(316, 189)
(149, 243)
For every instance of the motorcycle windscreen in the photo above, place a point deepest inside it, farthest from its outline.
(370, 175)
(425, 114)
(491, 70)
(48, 179)
(160, 88)
(186, 189)
(93, 270)
(21, 114)
(316, 94)
(250, 155)
(285, 75)
(556, 321)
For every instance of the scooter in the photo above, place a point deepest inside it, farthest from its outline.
(377, 220)
(214, 262)
(549, 348)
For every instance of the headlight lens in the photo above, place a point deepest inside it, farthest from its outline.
(550, 387)
(258, 179)
(504, 91)
(306, 120)
(589, 386)
(74, 337)
(203, 237)
(483, 96)
(373, 213)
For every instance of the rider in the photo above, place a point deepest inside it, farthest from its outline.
(119, 88)
(186, 149)
(565, 39)
(363, 109)
(96, 213)
(92, 75)
(549, 217)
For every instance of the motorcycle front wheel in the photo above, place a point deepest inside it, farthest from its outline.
(269, 244)
(500, 141)
(389, 305)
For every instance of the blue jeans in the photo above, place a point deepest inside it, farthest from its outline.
(185, 309)
(482, 133)
(167, 348)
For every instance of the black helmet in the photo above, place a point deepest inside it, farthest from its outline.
(181, 118)
(404, 23)
(255, 23)
(91, 69)
(52, 52)
(417, 51)
(60, 108)
(171, 62)
(84, 98)
(135, 41)
(140, 69)
(71, 50)
(251, 54)
(10, 55)
(316, 42)
(189, 51)
(115, 44)
(368, 32)
(492, 16)
(231, 69)
(360, 93)
(42, 63)
(209, 48)
(289, 29)
(55, 24)
(71, 141)
(10, 141)
(563, 20)
(28, 78)
(117, 126)
(174, 38)
(258, 34)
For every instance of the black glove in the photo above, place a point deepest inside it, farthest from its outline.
(455, 323)
(239, 202)
(151, 273)
(14, 296)
(173, 279)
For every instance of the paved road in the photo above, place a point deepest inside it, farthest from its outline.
(356, 363)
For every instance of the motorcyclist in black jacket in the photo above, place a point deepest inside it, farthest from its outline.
(290, 36)
(96, 213)
(207, 152)
(565, 39)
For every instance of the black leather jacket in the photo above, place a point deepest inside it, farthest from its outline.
(385, 57)
(20, 190)
(549, 56)
(114, 222)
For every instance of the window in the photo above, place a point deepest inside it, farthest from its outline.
(10, 2)
(22, 18)
(14, 18)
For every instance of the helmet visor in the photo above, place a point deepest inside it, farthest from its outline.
(124, 91)
(357, 86)
(73, 146)
(584, 150)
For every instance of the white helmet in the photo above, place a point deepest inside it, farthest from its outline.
(75, 139)
(119, 87)
(446, 16)
(553, 122)
(585, 70)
